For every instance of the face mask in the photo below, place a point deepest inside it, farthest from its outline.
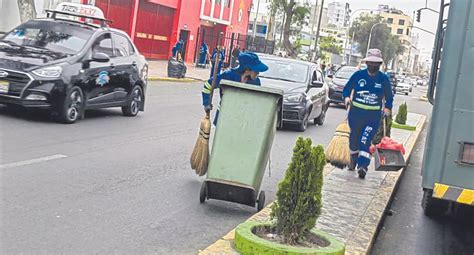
(373, 69)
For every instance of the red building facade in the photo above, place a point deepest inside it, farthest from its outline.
(156, 25)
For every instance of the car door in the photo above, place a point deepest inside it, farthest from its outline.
(98, 77)
(319, 94)
(313, 94)
(126, 69)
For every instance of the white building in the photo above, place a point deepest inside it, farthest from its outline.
(339, 14)
(10, 14)
(260, 12)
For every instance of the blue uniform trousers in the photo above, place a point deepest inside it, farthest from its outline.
(364, 125)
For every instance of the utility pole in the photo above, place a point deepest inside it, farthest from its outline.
(310, 55)
(319, 26)
(255, 20)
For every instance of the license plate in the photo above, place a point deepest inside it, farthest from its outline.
(4, 85)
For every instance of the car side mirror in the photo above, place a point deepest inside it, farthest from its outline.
(330, 76)
(316, 84)
(100, 57)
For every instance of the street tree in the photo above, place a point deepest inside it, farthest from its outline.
(27, 10)
(382, 39)
(329, 44)
(295, 15)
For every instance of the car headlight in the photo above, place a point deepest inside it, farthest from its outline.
(293, 98)
(49, 72)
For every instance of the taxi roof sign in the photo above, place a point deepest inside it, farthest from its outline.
(78, 11)
(86, 10)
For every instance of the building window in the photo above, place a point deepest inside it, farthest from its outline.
(390, 20)
(401, 22)
(400, 31)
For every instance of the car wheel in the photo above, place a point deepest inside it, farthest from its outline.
(72, 106)
(304, 124)
(135, 99)
(320, 120)
(433, 207)
(406, 93)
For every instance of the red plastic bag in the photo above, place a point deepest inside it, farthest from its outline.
(388, 144)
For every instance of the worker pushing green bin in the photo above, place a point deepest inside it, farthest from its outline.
(242, 143)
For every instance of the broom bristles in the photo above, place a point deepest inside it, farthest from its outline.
(337, 152)
(200, 156)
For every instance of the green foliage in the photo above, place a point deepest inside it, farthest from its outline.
(295, 15)
(382, 39)
(388, 129)
(299, 16)
(329, 44)
(299, 200)
(402, 114)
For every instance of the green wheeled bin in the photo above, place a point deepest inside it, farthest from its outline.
(242, 142)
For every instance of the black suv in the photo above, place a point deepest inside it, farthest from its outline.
(70, 65)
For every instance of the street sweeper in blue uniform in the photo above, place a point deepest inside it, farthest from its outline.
(365, 94)
(247, 72)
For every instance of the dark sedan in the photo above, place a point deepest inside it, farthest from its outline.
(339, 80)
(305, 93)
(68, 66)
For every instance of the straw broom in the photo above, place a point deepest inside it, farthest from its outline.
(200, 155)
(337, 152)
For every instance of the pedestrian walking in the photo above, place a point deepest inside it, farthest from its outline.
(366, 92)
(203, 53)
(235, 56)
(323, 68)
(247, 72)
(176, 51)
(221, 61)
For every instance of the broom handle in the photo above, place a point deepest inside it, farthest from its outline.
(348, 107)
(214, 72)
(384, 125)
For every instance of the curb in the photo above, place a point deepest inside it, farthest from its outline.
(403, 126)
(187, 79)
(368, 225)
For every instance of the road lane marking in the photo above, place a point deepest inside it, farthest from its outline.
(32, 161)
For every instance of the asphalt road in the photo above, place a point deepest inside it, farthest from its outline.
(408, 231)
(113, 184)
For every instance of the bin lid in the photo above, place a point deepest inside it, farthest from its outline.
(240, 85)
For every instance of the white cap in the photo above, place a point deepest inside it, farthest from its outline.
(373, 55)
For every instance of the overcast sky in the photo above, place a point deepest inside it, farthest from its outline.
(429, 19)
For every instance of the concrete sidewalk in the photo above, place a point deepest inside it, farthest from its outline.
(352, 208)
(158, 71)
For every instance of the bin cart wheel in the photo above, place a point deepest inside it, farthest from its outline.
(203, 193)
(433, 207)
(261, 201)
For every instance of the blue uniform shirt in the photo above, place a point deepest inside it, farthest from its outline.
(369, 91)
(231, 75)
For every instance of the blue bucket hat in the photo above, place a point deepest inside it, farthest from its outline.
(249, 60)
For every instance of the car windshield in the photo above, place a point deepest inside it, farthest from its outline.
(345, 73)
(54, 36)
(286, 71)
